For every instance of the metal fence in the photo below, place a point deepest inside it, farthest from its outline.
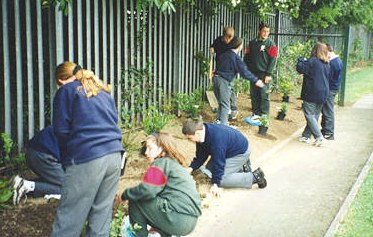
(108, 37)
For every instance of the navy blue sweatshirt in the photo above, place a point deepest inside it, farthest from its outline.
(221, 142)
(85, 128)
(315, 87)
(229, 64)
(336, 66)
(46, 142)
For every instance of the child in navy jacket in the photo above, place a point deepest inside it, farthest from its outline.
(85, 123)
(315, 90)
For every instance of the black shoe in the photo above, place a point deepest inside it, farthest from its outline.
(259, 176)
(329, 137)
(246, 168)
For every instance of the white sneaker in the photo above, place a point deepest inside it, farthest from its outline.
(319, 141)
(19, 190)
(52, 196)
(305, 140)
(255, 117)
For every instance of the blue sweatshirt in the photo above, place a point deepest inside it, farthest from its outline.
(86, 128)
(221, 142)
(336, 66)
(315, 87)
(46, 142)
(229, 64)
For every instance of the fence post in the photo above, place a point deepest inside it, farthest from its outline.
(346, 50)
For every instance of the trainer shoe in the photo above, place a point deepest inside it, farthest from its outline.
(259, 176)
(305, 140)
(329, 136)
(319, 141)
(255, 117)
(19, 190)
(233, 115)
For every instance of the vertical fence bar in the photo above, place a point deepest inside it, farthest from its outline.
(88, 41)
(182, 52)
(170, 59)
(155, 47)
(144, 56)
(18, 56)
(192, 51)
(104, 42)
(166, 47)
(199, 47)
(187, 54)
(150, 47)
(137, 45)
(52, 55)
(70, 25)
(119, 60)
(125, 47)
(132, 47)
(176, 54)
(7, 97)
(40, 64)
(79, 30)
(111, 53)
(59, 36)
(96, 30)
(160, 58)
(30, 74)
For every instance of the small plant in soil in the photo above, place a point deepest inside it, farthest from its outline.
(282, 111)
(264, 123)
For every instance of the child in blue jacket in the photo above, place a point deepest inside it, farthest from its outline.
(85, 123)
(315, 90)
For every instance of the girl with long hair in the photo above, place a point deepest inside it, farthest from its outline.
(167, 198)
(85, 123)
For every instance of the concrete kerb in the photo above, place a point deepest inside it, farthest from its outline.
(334, 226)
(263, 158)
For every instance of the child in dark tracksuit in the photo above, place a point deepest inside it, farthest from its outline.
(167, 198)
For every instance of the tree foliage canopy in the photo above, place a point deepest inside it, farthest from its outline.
(310, 13)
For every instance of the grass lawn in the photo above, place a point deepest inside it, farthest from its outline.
(359, 83)
(359, 220)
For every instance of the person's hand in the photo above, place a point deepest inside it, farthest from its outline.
(267, 79)
(259, 83)
(118, 200)
(215, 190)
(189, 169)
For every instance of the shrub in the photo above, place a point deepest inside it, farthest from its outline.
(5, 194)
(264, 120)
(154, 120)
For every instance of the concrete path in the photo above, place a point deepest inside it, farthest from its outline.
(307, 185)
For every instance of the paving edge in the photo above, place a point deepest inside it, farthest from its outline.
(261, 159)
(334, 226)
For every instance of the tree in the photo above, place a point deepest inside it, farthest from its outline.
(315, 14)
(309, 13)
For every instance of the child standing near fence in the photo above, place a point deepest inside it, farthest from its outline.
(85, 123)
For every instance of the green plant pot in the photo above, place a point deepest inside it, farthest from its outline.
(280, 116)
(263, 130)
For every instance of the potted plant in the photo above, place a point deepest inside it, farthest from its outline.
(282, 111)
(264, 122)
(286, 87)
